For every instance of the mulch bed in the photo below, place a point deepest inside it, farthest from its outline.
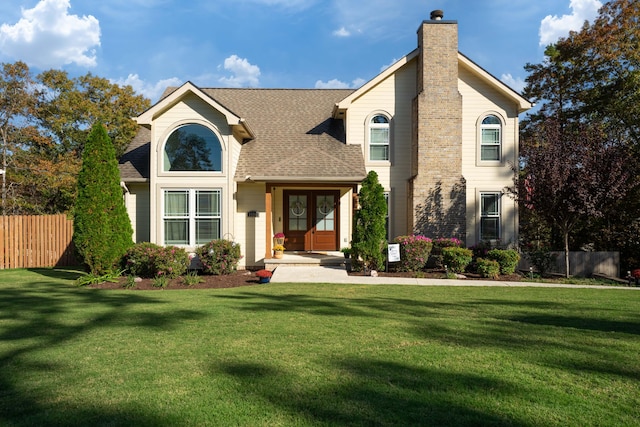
(237, 279)
(248, 278)
(440, 274)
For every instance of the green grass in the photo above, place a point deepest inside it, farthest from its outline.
(296, 355)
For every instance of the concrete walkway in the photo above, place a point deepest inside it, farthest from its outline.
(338, 274)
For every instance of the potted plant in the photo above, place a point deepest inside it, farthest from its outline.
(278, 239)
(264, 276)
(346, 252)
(278, 251)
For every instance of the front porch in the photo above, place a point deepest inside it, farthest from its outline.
(308, 259)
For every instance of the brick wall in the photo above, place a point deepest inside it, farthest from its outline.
(439, 192)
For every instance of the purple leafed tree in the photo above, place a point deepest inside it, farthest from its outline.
(572, 173)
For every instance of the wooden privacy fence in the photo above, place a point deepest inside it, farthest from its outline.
(36, 241)
(583, 264)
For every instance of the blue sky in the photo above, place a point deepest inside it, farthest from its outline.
(152, 44)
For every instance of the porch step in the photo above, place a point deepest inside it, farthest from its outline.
(308, 259)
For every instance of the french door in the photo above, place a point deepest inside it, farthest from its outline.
(311, 220)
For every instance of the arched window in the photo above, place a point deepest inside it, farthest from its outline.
(379, 138)
(192, 148)
(490, 138)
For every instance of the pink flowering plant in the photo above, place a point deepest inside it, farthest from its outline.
(219, 256)
(414, 252)
(447, 242)
(150, 260)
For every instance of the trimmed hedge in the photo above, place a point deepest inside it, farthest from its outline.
(414, 252)
(219, 256)
(488, 268)
(507, 258)
(150, 260)
(456, 259)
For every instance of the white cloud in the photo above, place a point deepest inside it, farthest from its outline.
(244, 73)
(342, 32)
(553, 27)
(515, 83)
(149, 90)
(337, 84)
(47, 36)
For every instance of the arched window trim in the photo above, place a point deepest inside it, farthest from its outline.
(368, 143)
(165, 137)
(500, 146)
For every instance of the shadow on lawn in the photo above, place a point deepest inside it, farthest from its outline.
(373, 392)
(42, 317)
(517, 326)
(603, 325)
(69, 273)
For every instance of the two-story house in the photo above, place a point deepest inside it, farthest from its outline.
(244, 164)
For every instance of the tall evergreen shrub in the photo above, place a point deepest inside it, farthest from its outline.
(369, 237)
(102, 230)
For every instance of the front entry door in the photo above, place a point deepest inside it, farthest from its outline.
(311, 220)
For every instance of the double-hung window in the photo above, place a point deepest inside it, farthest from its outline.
(489, 216)
(490, 139)
(379, 138)
(191, 216)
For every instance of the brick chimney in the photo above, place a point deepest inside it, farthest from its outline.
(438, 193)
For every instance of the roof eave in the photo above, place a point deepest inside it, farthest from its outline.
(522, 103)
(319, 179)
(340, 108)
(148, 116)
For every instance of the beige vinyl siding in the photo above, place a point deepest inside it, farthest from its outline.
(480, 98)
(192, 109)
(250, 232)
(137, 202)
(393, 96)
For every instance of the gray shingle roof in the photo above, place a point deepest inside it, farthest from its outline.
(296, 137)
(134, 163)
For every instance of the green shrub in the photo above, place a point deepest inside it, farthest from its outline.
(435, 260)
(172, 261)
(507, 258)
(101, 227)
(369, 235)
(488, 268)
(219, 256)
(151, 260)
(414, 252)
(541, 258)
(447, 242)
(456, 259)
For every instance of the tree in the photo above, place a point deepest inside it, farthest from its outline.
(572, 175)
(101, 229)
(44, 136)
(370, 232)
(16, 102)
(68, 108)
(593, 77)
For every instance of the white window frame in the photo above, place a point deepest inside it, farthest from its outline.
(482, 127)
(490, 215)
(370, 127)
(161, 151)
(192, 215)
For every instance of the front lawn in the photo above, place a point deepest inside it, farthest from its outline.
(308, 354)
